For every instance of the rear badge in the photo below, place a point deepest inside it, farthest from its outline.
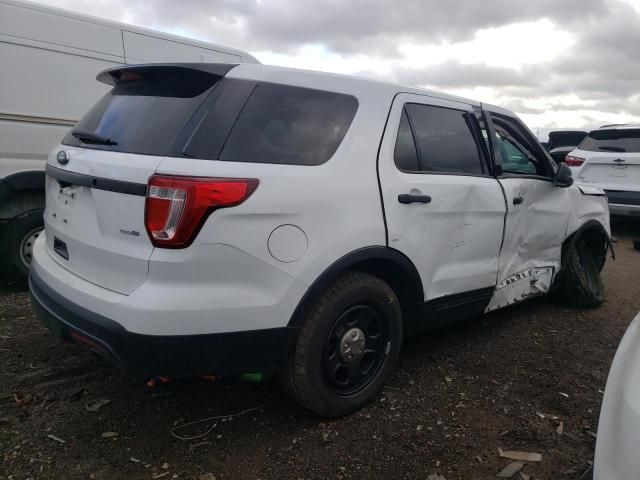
(62, 157)
(133, 233)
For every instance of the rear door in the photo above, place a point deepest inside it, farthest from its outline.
(96, 180)
(443, 208)
(537, 212)
(612, 160)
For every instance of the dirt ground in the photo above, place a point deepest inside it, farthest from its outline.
(459, 395)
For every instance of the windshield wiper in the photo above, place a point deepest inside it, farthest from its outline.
(86, 136)
(612, 149)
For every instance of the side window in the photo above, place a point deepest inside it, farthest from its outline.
(519, 154)
(290, 125)
(444, 141)
(514, 160)
(405, 154)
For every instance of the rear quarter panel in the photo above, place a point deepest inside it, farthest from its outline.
(336, 205)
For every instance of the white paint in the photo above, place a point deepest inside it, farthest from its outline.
(287, 243)
(454, 240)
(90, 222)
(618, 438)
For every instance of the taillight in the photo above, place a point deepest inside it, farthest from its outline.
(177, 206)
(573, 161)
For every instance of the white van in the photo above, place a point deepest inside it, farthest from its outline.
(50, 58)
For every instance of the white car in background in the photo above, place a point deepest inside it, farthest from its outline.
(619, 428)
(609, 158)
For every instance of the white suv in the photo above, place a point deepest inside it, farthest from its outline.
(218, 219)
(609, 158)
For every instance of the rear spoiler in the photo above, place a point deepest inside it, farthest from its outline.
(113, 76)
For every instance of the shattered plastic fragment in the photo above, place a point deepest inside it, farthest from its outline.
(510, 470)
(521, 456)
(97, 405)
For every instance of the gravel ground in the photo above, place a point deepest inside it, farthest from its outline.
(506, 380)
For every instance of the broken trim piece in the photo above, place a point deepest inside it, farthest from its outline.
(522, 285)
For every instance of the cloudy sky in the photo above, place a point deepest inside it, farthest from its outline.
(557, 63)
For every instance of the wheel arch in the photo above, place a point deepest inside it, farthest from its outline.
(390, 265)
(21, 192)
(595, 236)
(27, 180)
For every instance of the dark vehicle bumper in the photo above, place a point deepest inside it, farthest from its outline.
(621, 197)
(178, 355)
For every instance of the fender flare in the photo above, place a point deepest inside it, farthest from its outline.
(14, 185)
(28, 180)
(365, 254)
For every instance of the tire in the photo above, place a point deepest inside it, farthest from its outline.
(15, 241)
(359, 310)
(581, 284)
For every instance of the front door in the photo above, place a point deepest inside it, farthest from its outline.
(443, 208)
(537, 214)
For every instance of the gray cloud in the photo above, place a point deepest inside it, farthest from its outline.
(347, 27)
(453, 74)
(602, 67)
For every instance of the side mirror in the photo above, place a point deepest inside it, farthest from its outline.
(564, 177)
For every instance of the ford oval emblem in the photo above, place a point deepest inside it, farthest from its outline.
(62, 157)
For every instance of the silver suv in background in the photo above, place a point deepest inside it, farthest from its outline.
(609, 158)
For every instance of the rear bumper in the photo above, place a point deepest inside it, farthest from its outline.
(623, 202)
(227, 353)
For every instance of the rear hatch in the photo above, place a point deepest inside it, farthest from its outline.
(168, 145)
(97, 180)
(612, 159)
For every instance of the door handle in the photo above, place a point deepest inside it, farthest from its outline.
(518, 200)
(407, 198)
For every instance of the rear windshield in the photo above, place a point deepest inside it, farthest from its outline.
(565, 139)
(615, 140)
(146, 115)
(219, 119)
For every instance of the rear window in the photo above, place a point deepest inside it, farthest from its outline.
(145, 115)
(290, 125)
(615, 140)
(203, 116)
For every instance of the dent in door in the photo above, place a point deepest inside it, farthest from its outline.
(534, 232)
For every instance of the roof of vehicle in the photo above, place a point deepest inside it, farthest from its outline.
(558, 132)
(618, 126)
(344, 83)
(353, 85)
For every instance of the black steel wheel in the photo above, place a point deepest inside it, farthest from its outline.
(354, 349)
(348, 346)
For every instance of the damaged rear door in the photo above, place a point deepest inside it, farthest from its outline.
(537, 211)
(444, 210)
